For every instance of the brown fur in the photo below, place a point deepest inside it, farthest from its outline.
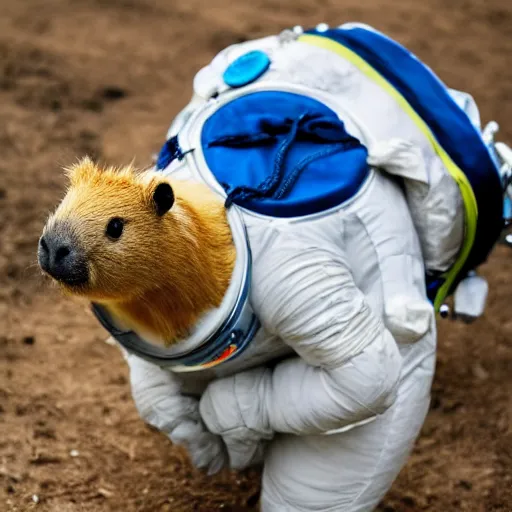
(164, 272)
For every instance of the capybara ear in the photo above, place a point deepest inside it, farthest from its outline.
(163, 198)
(81, 171)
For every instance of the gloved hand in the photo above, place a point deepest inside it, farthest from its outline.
(158, 398)
(206, 450)
(229, 408)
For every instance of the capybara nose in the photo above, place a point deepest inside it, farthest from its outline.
(55, 255)
(59, 258)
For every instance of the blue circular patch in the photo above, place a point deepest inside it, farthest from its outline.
(326, 178)
(246, 68)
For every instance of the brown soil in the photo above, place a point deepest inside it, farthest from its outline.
(105, 77)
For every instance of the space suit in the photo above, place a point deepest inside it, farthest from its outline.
(339, 199)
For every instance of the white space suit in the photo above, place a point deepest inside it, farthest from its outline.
(333, 389)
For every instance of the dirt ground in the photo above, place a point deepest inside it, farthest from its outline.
(105, 77)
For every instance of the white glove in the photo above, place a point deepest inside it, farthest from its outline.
(158, 398)
(222, 409)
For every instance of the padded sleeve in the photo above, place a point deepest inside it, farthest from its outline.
(348, 367)
(158, 398)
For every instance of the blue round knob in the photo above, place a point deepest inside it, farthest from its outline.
(246, 68)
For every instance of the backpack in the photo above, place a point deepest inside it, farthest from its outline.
(359, 88)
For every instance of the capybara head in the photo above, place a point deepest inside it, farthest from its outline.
(104, 241)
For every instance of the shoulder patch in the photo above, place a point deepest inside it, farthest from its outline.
(246, 69)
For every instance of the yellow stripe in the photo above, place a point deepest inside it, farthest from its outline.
(471, 207)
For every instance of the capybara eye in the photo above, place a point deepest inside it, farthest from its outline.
(115, 228)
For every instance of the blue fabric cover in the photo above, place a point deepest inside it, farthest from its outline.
(325, 182)
(429, 97)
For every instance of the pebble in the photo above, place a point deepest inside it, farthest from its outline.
(480, 372)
